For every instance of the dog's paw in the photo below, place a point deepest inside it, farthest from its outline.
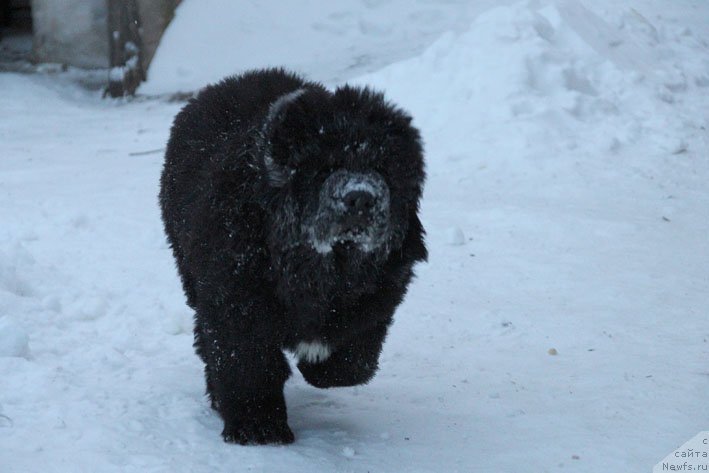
(258, 432)
(332, 374)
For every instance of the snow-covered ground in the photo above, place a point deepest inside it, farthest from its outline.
(561, 324)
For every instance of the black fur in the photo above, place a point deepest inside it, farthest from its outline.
(275, 247)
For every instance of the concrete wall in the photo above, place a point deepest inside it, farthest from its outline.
(155, 15)
(73, 32)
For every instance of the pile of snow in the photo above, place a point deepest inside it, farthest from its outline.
(330, 41)
(560, 324)
(555, 79)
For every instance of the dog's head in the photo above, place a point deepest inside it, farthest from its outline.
(346, 171)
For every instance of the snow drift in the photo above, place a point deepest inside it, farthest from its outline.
(329, 41)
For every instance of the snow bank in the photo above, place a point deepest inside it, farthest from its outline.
(555, 78)
(330, 41)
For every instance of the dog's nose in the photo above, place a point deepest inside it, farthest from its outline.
(359, 202)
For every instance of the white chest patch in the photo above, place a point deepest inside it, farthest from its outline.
(313, 352)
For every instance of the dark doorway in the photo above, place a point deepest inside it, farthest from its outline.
(15, 34)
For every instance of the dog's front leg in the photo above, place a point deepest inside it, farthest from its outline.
(246, 371)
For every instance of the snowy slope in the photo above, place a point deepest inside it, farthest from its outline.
(330, 41)
(560, 324)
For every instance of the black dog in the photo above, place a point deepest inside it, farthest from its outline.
(292, 214)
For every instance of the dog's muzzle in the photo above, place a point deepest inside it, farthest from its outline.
(354, 209)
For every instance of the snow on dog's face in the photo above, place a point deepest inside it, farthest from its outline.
(346, 170)
(352, 211)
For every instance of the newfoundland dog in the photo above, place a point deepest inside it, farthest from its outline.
(292, 215)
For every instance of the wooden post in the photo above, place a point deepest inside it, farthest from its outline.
(126, 58)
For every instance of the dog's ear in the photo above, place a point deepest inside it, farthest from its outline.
(278, 172)
(391, 128)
